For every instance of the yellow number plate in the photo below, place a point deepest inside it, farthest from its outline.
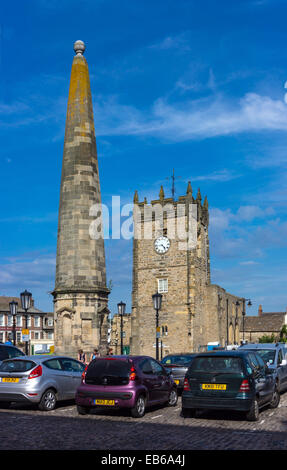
(105, 402)
(213, 386)
(10, 379)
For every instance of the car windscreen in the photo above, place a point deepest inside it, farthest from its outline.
(268, 355)
(222, 364)
(108, 372)
(177, 360)
(17, 366)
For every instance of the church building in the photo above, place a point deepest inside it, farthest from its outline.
(171, 257)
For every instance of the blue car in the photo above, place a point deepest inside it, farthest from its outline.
(275, 357)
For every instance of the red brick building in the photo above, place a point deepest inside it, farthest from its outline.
(40, 324)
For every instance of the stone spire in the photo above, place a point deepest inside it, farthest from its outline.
(136, 197)
(80, 266)
(189, 189)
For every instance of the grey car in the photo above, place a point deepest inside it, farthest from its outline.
(177, 365)
(41, 380)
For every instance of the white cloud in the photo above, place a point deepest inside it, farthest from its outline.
(36, 270)
(195, 119)
(179, 43)
(220, 175)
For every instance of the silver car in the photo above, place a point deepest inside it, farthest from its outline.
(43, 380)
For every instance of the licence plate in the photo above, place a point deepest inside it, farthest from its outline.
(213, 386)
(105, 402)
(177, 382)
(9, 379)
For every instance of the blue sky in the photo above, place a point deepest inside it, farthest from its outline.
(194, 86)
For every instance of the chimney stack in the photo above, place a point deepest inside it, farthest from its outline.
(260, 310)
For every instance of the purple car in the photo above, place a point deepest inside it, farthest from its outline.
(130, 382)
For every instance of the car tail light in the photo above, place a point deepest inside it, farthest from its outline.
(186, 385)
(133, 375)
(84, 375)
(36, 372)
(244, 387)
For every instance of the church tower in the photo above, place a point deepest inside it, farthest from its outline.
(80, 294)
(171, 257)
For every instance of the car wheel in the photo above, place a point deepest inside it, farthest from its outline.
(138, 410)
(275, 399)
(83, 410)
(253, 413)
(48, 401)
(172, 399)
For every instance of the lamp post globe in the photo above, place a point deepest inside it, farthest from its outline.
(26, 304)
(121, 308)
(26, 299)
(157, 299)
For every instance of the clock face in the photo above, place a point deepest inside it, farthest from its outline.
(161, 245)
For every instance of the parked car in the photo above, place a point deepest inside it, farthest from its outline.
(43, 380)
(8, 352)
(127, 382)
(274, 355)
(178, 365)
(230, 380)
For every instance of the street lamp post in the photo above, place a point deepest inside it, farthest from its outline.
(13, 310)
(244, 313)
(121, 312)
(26, 303)
(157, 298)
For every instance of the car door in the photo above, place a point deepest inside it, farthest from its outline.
(59, 377)
(74, 370)
(263, 381)
(282, 369)
(149, 379)
(162, 381)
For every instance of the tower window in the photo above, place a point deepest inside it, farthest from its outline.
(162, 285)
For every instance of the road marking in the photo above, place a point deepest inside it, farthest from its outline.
(154, 417)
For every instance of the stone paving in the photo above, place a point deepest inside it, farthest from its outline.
(162, 428)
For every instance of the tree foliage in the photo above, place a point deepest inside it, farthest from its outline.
(268, 339)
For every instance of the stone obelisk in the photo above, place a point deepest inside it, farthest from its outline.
(80, 294)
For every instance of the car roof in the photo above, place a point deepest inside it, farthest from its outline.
(38, 358)
(262, 345)
(233, 353)
(182, 354)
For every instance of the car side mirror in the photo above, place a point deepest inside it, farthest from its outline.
(283, 363)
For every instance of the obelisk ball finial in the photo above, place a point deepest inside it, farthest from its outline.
(79, 47)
